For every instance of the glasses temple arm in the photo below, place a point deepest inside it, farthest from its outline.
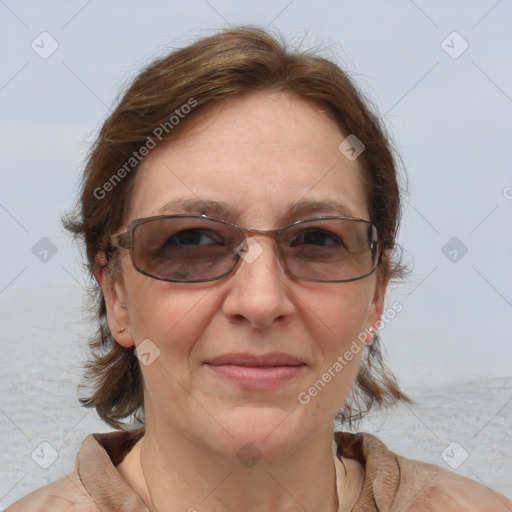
(121, 240)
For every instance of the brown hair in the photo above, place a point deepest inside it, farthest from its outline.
(233, 62)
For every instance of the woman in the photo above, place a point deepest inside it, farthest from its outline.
(239, 212)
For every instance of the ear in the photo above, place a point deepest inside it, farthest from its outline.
(118, 317)
(376, 307)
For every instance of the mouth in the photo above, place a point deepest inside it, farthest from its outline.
(257, 372)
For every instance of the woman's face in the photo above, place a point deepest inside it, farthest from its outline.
(260, 154)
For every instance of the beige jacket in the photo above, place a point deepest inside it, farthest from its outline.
(391, 484)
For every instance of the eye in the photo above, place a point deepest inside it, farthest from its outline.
(191, 237)
(318, 237)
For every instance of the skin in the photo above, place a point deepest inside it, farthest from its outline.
(259, 153)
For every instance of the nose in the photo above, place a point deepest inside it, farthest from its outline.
(260, 289)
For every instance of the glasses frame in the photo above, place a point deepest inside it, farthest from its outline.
(126, 241)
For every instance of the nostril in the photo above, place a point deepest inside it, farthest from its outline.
(237, 319)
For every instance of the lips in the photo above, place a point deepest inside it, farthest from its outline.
(256, 372)
(252, 360)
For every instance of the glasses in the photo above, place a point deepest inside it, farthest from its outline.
(186, 248)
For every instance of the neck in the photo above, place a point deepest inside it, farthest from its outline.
(172, 473)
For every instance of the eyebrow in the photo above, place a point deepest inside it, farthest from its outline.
(306, 207)
(223, 210)
(190, 205)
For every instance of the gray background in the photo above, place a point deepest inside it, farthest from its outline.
(449, 113)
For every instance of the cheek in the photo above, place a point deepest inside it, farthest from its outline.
(340, 316)
(174, 321)
(171, 317)
(336, 320)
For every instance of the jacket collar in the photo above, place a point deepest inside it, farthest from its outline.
(100, 453)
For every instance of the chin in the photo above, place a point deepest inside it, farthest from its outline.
(261, 432)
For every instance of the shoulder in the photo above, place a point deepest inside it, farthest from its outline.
(94, 485)
(394, 482)
(437, 488)
(65, 495)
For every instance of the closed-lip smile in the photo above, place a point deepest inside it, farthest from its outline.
(256, 372)
(245, 359)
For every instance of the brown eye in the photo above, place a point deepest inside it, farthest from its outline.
(318, 237)
(195, 237)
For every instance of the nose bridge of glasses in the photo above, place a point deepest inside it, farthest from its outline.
(251, 232)
(273, 234)
(258, 248)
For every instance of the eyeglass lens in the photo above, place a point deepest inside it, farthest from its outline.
(195, 248)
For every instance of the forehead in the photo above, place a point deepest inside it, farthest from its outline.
(259, 154)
